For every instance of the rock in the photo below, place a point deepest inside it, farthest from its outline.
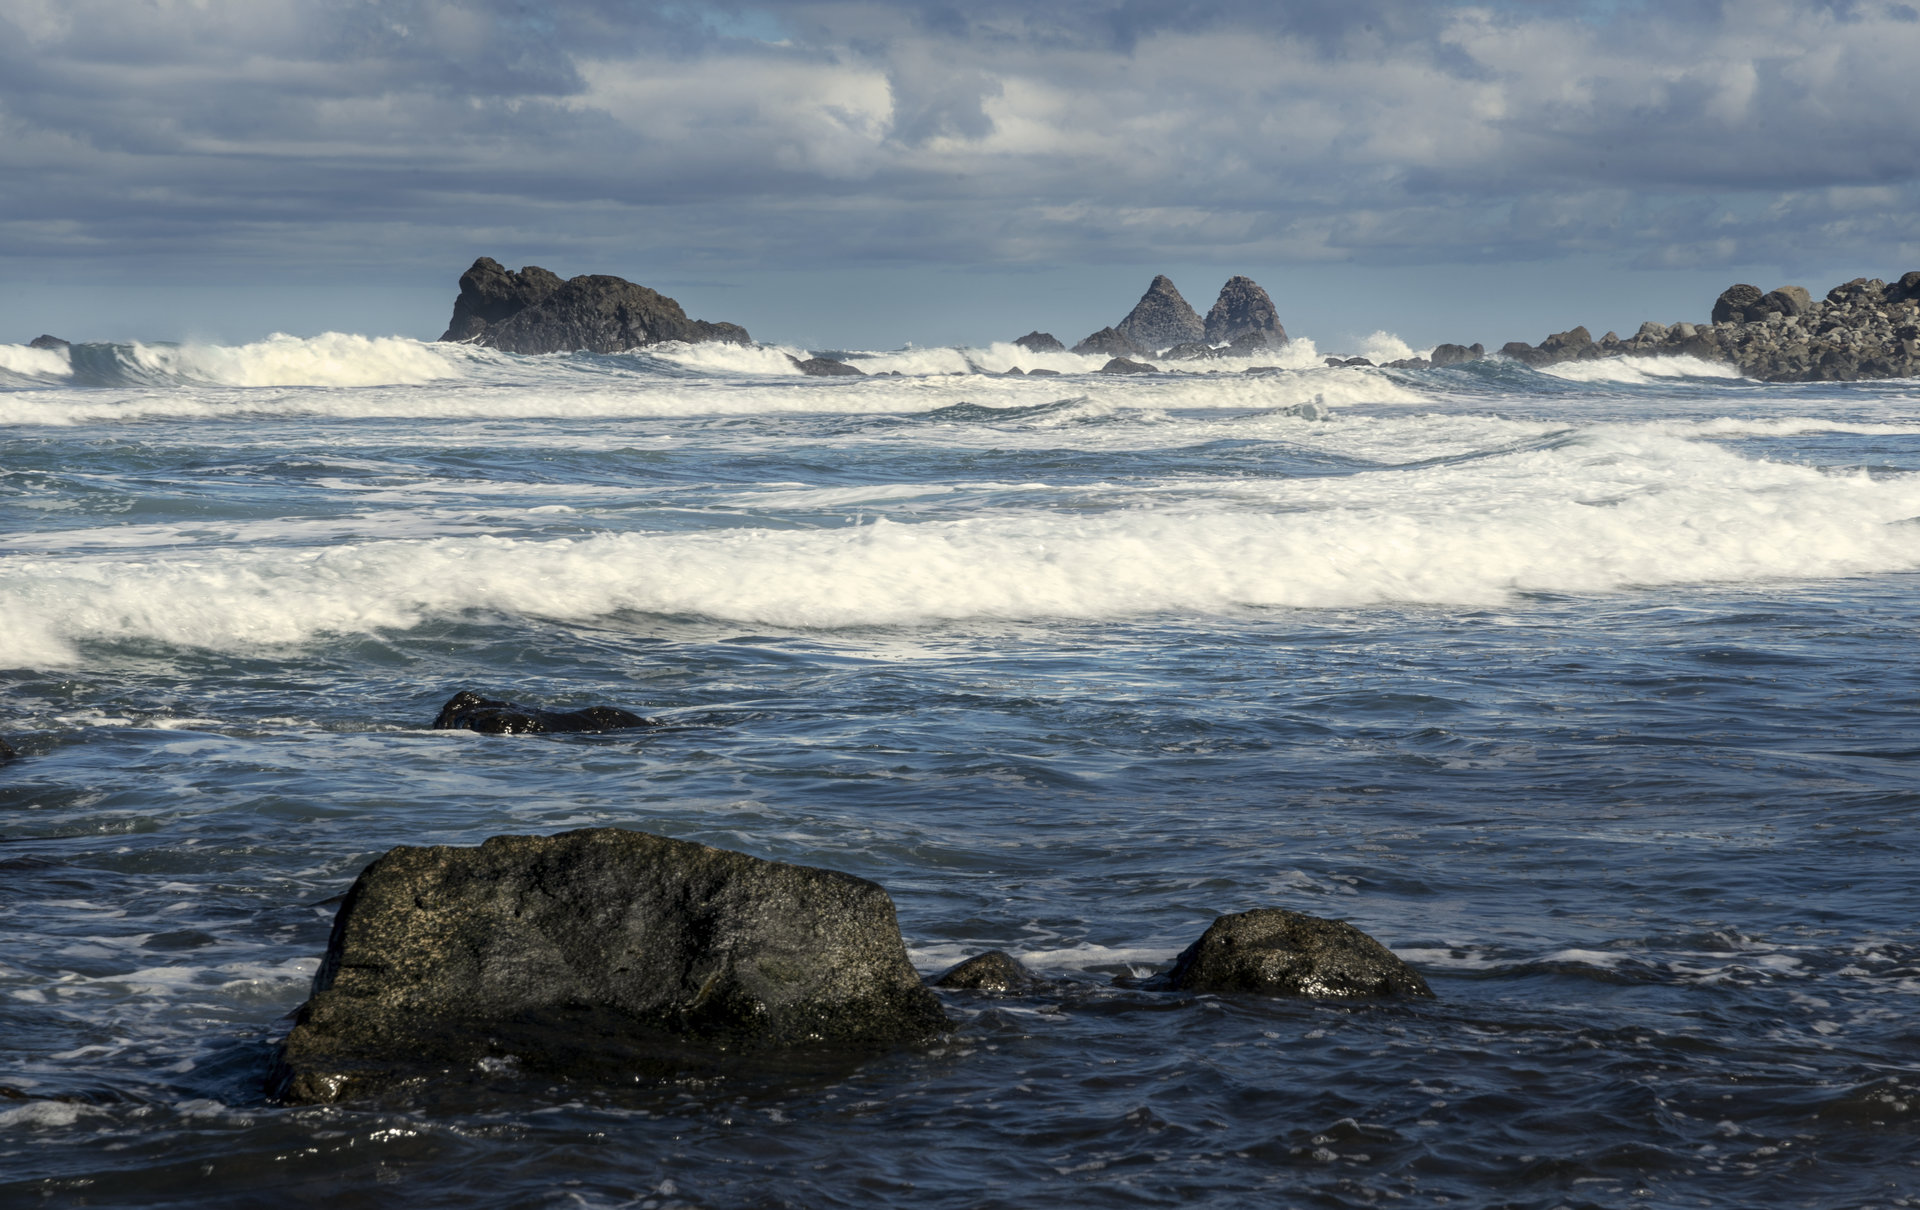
(1161, 319)
(1277, 952)
(1244, 313)
(1356, 361)
(1121, 365)
(1522, 352)
(1040, 342)
(993, 971)
(1192, 350)
(1110, 342)
(1651, 331)
(1451, 355)
(1735, 301)
(490, 293)
(1409, 363)
(1015, 372)
(1043, 373)
(6, 752)
(826, 367)
(533, 311)
(466, 711)
(1907, 289)
(1787, 300)
(43, 341)
(604, 954)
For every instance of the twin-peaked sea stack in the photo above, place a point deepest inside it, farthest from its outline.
(1241, 321)
(534, 311)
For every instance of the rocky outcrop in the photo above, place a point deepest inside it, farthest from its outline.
(1277, 952)
(1108, 342)
(1121, 365)
(43, 341)
(1161, 319)
(1040, 342)
(1865, 328)
(1244, 318)
(1453, 355)
(993, 971)
(826, 367)
(467, 711)
(601, 954)
(533, 311)
(1192, 350)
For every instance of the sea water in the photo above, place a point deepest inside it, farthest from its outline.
(1593, 693)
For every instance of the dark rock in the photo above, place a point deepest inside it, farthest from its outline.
(1787, 300)
(1161, 319)
(1277, 952)
(490, 293)
(1356, 361)
(1907, 289)
(1192, 350)
(826, 367)
(1121, 365)
(6, 752)
(1452, 355)
(1409, 363)
(604, 954)
(1110, 342)
(1522, 352)
(1040, 342)
(1244, 317)
(993, 971)
(467, 711)
(1043, 373)
(44, 341)
(1735, 300)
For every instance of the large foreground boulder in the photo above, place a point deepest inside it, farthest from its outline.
(533, 311)
(604, 953)
(1161, 319)
(468, 711)
(1282, 953)
(1244, 317)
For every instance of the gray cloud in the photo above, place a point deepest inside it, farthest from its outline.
(380, 136)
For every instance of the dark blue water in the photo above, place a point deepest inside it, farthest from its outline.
(1596, 701)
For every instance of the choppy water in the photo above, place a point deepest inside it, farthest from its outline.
(1593, 696)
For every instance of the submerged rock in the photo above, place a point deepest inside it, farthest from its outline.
(1121, 365)
(826, 367)
(1110, 342)
(533, 311)
(1161, 319)
(43, 341)
(1278, 952)
(1244, 317)
(605, 954)
(468, 711)
(6, 752)
(993, 971)
(1040, 342)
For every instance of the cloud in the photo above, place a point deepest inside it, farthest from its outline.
(361, 135)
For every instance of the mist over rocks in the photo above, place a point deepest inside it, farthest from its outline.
(534, 311)
(604, 954)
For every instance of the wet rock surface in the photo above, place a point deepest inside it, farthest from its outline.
(1273, 951)
(826, 367)
(468, 711)
(534, 311)
(601, 954)
(993, 971)
(1161, 319)
(1041, 342)
(1244, 317)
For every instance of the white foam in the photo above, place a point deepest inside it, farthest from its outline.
(45, 1114)
(1639, 369)
(332, 359)
(25, 365)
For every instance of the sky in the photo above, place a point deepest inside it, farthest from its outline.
(852, 174)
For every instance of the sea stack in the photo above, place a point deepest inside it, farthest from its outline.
(1244, 317)
(1161, 319)
(533, 311)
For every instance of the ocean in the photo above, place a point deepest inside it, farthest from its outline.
(1594, 693)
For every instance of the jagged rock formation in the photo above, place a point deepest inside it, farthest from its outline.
(1277, 952)
(44, 341)
(533, 311)
(1865, 328)
(599, 954)
(1244, 317)
(1161, 319)
(468, 711)
(1040, 342)
(1110, 342)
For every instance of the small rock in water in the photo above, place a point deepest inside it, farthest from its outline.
(993, 971)
(1041, 342)
(600, 954)
(6, 753)
(1121, 365)
(468, 711)
(826, 367)
(44, 341)
(1278, 952)
(1043, 373)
